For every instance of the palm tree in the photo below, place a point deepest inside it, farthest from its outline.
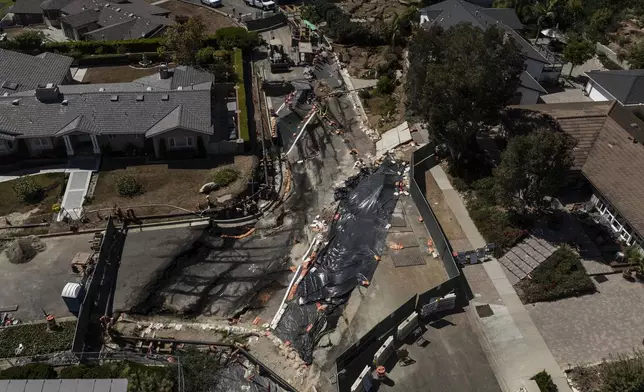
(544, 10)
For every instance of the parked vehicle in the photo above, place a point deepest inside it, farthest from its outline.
(212, 3)
(263, 4)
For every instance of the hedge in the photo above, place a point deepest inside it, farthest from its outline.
(241, 95)
(116, 59)
(36, 339)
(121, 47)
(561, 276)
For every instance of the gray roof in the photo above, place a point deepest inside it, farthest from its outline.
(69, 385)
(136, 7)
(106, 112)
(27, 72)
(452, 12)
(529, 82)
(26, 7)
(625, 86)
(181, 76)
(82, 18)
(54, 4)
(116, 21)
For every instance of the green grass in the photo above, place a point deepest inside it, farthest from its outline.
(241, 95)
(36, 339)
(561, 276)
(51, 182)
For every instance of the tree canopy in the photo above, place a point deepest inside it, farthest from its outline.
(184, 41)
(578, 52)
(458, 81)
(635, 56)
(533, 166)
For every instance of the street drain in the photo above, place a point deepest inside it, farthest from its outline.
(484, 311)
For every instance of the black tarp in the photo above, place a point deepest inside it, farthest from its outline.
(368, 200)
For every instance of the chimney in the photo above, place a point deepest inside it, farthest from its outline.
(47, 92)
(164, 72)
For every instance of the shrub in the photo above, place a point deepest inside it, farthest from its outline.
(206, 55)
(28, 190)
(236, 37)
(561, 276)
(128, 185)
(32, 371)
(241, 96)
(544, 381)
(623, 374)
(225, 176)
(385, 85)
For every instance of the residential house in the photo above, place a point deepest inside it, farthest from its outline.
(22, 72)
(625, 87)
(175, 112)
(94, 19)
(610, 155)
(27, 12)
(538, 68)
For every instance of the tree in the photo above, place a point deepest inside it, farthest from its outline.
(29, 40)
(236, 37)
(578, 52)
(635, 56)
(532, 167)
(184, 41)
(458, 81)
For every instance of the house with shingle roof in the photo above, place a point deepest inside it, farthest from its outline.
(178, 111)
(94, 19)
(538, 68)
(22, 72)
(609, 154)
(623, 86)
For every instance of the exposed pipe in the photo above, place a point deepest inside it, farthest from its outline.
(312, 114)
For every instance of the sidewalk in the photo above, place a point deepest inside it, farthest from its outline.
(513, 344)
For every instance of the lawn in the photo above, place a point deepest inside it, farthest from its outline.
(561, 276)
(116, 74)
(36, 339)
(175, 185)
(212, 20)
(51, 182)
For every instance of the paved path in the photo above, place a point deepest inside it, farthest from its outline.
(75, 192)
(514, 346)
(587, 329)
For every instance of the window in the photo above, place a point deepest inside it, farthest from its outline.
(111, 137)
(180, 142)
(40, 142)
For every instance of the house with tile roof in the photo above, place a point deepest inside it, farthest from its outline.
(538, 67)
(178, 111)
(94, 19)
(609, 154)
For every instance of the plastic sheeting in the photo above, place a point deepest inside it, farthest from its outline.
(367, 202)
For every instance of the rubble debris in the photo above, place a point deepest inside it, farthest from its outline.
(347, 260)
(23, 249)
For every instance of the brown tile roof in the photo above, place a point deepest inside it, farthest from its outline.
(581, 120)
(610, 151)
(614, 166)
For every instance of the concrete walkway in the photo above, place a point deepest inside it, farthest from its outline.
(513, 344)
(75, 192)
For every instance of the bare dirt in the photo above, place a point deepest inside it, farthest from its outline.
(376, 10)
(629, 33)
(116, 74)
(211, 19)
